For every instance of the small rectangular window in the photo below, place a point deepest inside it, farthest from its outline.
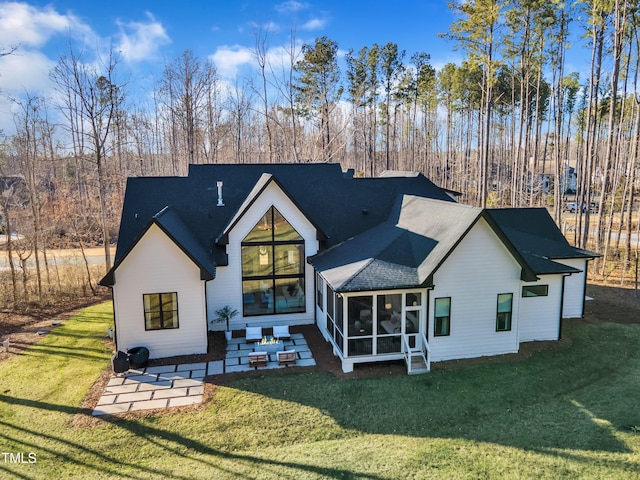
(330, 301)
(503, 317)
(442, 320)
(319, 291)
(535, 290)
(160, 310)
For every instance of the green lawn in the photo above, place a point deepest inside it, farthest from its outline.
(561, 414)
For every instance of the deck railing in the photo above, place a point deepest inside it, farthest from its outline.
(416, 345)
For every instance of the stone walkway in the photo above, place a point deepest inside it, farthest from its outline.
(156, 387)
(180, 385)
(237, 358)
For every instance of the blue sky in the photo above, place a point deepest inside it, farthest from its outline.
(150, 34)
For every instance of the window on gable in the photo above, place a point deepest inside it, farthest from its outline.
(503, 317)
(160, 310)
(442, 320)
(273, 267)
(535, 290)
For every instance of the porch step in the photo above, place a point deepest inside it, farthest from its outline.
(418, 371)
(418, 365)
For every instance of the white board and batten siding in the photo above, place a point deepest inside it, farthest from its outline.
(226, 288)
(540, 316)
(157, 265)
(574, 288)
(473, 275)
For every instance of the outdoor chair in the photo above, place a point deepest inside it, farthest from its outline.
(281, 332)
(287, 357)
(258, 359)
(253, 334)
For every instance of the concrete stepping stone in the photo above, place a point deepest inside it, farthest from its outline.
(215, 367)
(173, 392)
(112, 409)
(191, 366)
(148, 405)
(183, 401)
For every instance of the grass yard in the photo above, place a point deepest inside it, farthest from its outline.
(563, 413)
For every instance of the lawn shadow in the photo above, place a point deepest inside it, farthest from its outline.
(50, 350)
(534, 404)
(172, 442)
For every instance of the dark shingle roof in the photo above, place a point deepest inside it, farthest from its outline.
(535, 234)
(339, 205)
(375, 233)
(172, 225)
(402, 252)
(407, 249)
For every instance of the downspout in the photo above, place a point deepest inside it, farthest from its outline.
(315, 297)
(115, 330)
(560, 323)
(206, 312)
(584, 288)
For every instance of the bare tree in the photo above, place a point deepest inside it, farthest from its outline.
(260, 53)
(184, 91)
(92, 97)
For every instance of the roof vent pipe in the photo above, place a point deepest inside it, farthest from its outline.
(220, 201)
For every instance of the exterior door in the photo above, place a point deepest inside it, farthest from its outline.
(411, 325)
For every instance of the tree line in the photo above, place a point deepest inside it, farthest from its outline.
(507, 126)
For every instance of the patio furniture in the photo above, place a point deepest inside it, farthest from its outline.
(287, 357)
(258, 359)
(269, 347)
(281, 332)
(253, 334)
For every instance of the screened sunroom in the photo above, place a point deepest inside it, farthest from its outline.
(373, 326)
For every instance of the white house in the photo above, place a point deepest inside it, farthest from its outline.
(388, 268)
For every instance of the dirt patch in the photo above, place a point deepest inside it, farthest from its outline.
(612, 304)
(21, 328)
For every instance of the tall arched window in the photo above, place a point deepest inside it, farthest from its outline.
(273, 267)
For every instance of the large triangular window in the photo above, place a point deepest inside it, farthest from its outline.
(273, 264)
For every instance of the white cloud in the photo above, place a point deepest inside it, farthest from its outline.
(19, 73)
(291, 6)
(28, 26)
(24, 71)
(280, 57)
(229, 59)
(269, 27)
(141, 40)
(314, 24)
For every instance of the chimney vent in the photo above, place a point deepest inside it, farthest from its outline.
(220, 201)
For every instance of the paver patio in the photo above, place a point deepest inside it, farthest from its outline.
(155, 387)
(237, 358)
(180, 385)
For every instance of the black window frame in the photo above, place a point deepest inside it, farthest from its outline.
(160, 311)
(437, 320)
(508, 319)
(275, 278)
(531, 291)
(320, 289)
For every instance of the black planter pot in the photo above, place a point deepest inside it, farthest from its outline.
(138, 357)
